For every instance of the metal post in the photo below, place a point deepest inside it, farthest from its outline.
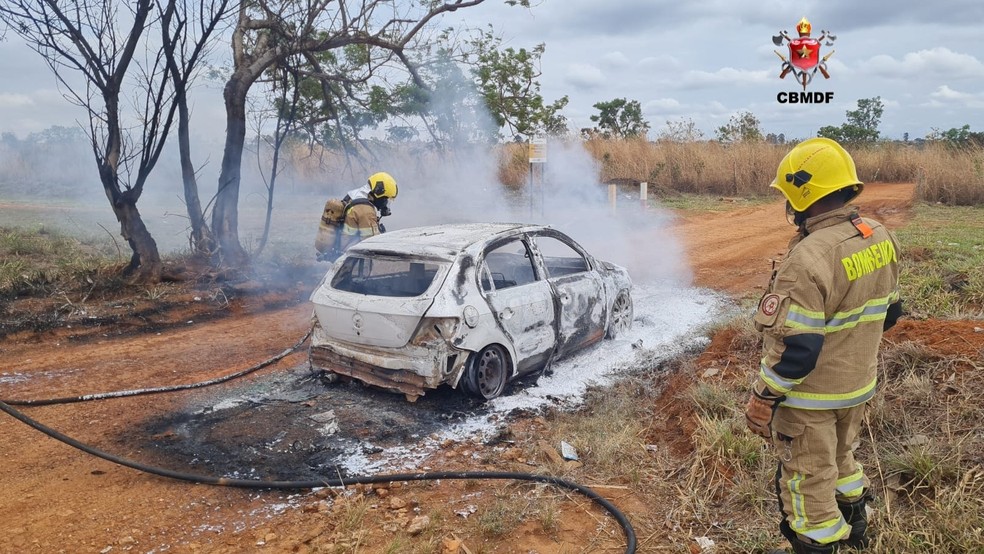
(644, 194)
(612, 195)
(531, 191)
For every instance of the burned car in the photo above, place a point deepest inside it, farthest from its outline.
(471, 306)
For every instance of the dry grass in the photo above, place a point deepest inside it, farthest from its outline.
(951, 176)
(608, 435)
(928, 451)
(943, 174)
(922, 450)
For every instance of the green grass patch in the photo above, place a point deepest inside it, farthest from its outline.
(942, 257)
(36, 258)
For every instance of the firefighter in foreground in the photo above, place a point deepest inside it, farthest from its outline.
(822, 319)
(349, 220)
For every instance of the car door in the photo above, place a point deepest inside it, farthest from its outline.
(577, 288)
(521, 300)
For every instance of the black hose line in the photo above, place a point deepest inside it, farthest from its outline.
(630, 538)
(158, 390)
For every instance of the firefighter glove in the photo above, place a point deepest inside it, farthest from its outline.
(760, 410)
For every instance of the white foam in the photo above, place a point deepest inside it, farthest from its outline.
(668, 319)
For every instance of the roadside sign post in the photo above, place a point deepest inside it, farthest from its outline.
(538, 160)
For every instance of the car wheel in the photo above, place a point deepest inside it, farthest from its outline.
(488, 372)
(621, 319)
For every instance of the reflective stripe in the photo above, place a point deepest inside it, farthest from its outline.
(853, 484)
(820, 401)
(801, 318)
(799, 511)
(827, 532)
(774, 381)
(824, 533)
(873, 310)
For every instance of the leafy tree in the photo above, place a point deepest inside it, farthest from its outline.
(958, 136)
(449, 103)
(620, 118)
(508, 82)
(742, 127)
(861, 126)
(681, 130)
(57, 134)
(773, 138)
(348, 45)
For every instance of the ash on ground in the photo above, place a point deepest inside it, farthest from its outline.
(291, 426)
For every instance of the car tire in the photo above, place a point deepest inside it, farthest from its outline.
(620, 320)
(487, 373)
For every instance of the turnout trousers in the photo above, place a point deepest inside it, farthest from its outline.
(817, 469)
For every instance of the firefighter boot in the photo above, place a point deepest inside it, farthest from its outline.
(801, 546)
(855, 515)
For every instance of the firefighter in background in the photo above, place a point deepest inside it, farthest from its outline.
(822, 320)
(349, 220)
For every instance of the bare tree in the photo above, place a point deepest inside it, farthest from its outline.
(83, 36)
(268, 32)
(188, 30)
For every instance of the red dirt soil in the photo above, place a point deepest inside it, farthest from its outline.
(57, 499)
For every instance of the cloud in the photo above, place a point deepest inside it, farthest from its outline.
(616, 59)
(661, 61)
(724, 76)
(585, 76)
(944, 96)
(592, 18)
(859, 15)
(946, 93)
(939, 61)
(663, 105)
(8, 100)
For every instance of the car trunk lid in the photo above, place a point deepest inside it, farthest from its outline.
(378, 300)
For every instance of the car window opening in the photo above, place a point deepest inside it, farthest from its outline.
(509, 265)
(559, 258)
(384, 277)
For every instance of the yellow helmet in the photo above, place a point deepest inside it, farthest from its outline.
(813, 169)
(382, 185)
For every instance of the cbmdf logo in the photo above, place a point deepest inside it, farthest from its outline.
(804, 60)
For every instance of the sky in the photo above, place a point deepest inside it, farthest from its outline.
(705, 61)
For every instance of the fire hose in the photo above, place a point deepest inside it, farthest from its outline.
(158, 390)
(6, 407)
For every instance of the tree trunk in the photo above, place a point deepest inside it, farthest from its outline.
(202, 241)
(225, 216)
(145, 264)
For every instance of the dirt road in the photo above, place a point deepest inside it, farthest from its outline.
(57, 499)
(731, 251)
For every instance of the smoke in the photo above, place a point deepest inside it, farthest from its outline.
(457, 184)
(565, 193)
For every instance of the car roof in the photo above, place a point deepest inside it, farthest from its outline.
(445, 241)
